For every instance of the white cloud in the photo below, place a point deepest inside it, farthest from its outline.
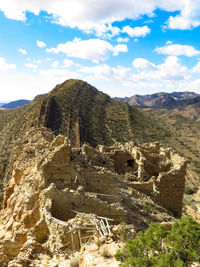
(97, 16)
(169, 42)
(170, 70)
(106, 30)
(119, 48)
(173, 70)
(120, 72)
(178, 50)
(24, 86)
(58, 75)
(110, 76)
(30, 65)
(136, 31)
(171, 75)
(37, 61)
(92, 49)
(196, 68)
(22, 51)
(188, 18)
(55, 64)
(52, 50)
(113, 30)
(99, 71)
(4, 66)
(68, 63)
(148, 21)
(41, 44)
(122, 40)
(142, 63)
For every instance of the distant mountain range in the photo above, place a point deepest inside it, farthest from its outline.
(14, 104)
(162, 100)
(186, 104)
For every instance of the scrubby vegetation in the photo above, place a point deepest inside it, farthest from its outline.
(184, 139)
(191, 191)
(79, 111)
(160, 246)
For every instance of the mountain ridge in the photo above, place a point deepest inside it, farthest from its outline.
(80, 112)
(159, 100)
(15, 104)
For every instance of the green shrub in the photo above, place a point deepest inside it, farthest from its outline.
(191, 191)
(149, 208)
(160, 247)
(105, 253)
(123, 232)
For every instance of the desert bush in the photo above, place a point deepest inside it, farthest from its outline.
(190, 191)
(160, 247)
(105, 253)
(123, 232)
(74, 262)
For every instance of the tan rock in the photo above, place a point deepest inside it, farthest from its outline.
(59, 197)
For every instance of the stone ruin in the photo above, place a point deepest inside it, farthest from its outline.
(54, 187)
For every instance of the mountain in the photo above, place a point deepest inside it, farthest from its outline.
(50, 178)
(15, 104)
(80, 112)
(188, 108)
(86, 115)
(160, 100)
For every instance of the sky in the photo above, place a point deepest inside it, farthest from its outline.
(122, 47)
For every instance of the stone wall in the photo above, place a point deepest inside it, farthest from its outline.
(52, 181)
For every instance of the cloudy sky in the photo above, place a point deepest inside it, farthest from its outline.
(122, 47)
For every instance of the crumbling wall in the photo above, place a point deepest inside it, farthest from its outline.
(154, 170)
(51, 182)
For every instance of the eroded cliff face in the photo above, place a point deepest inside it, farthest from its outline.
(52, 182)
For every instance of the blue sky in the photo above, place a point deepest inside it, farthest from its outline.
(122, 47)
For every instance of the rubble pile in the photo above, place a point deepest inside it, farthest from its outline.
(60, 197)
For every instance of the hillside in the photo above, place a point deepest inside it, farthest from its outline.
(179, 114)
(83, 114)
(50, 177)
(80, 112)
(15, 104)
(186, 104)
(184, 138)
(189, 108)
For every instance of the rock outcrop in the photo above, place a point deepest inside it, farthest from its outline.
(83, 114)
(53, 185)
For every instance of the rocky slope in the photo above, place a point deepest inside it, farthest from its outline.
(60, 196)
(179, 113)
(80, 112)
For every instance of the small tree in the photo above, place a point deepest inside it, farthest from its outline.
(160, 247)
